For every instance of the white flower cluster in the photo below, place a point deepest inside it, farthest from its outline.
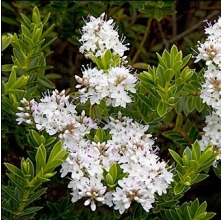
(129, 146)
(113, 86)
(98, 35)
(210, 51)
(132, 149)
(56, 115)
(115, 83)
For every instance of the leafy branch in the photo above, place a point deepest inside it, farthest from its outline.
(26, 180)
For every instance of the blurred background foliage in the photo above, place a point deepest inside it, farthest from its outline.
(149, 27)
(146, 29)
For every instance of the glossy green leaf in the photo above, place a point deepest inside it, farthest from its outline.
(17, 181)
(40, 158)
(11, 79)
(53, 164)
(35, 137)
(199, 104)
(10, 193)
(199, 177)
(162, 108)
(194, 165)
(113, 171)
(109, 179)
(21, 81)
(196, 151)
(36, 18)
(26, 20)
(7, 67)
(201, 210)
(6, 41)
(31, 210)
(36, 195)
(14, 170)
(55, 150)
(176, 157)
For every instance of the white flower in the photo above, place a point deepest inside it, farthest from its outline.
(209, 51)
(95, 190)
(212, 133)
(211, 89)
(114, 86)
(98, 35)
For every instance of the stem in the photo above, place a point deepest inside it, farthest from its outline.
(143, 41)
(165, 41)
(91, 111)
(24, 200)
(188, 31)
(22, 204)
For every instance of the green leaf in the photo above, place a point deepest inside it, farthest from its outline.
(14, 170)
(36, 195)
(21, 81)
(177, 66)
(26, 20)
(198, 178)
(141, 66)
(109, 179)
(169, 74)
(206, 155)
(176, 157)
(40, 158)
(209, 215)
(117, 215)
(53, 164)
(55, 150)
(174, 53)
(48, 43)
(25, 31)
(9, 20)
(199, 104)
(162, 61)
(8, 6)
(201, 210)
(51, 76)
(194, 206)
(194, 165)
(11, 79)
(20, 56)
(162, 77)
(196, 151)
(162, 108)
(6, 41)
(7, 67)
(9, 209)
(17, 181)
(11, 193)
(30, 210)
(144, 100)
(186, 60)
(100, 134)
(158, 14)
(113, 171)
(46, 18)
(46, 82)
(36, 18)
